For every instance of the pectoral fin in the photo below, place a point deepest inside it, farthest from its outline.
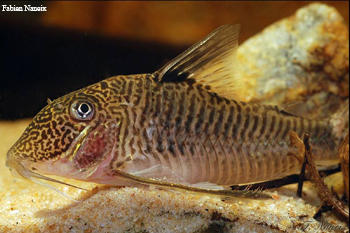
(165, 184)
(210, 186)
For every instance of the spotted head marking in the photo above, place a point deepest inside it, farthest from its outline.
(70, 134)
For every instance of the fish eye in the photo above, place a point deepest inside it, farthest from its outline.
(82, 110)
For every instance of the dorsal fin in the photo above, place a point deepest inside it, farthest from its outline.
(210, 62)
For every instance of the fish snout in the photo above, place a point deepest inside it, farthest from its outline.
(15, 164)
(10, 159)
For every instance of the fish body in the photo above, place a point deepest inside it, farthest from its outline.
(187, 134)
(180, 125)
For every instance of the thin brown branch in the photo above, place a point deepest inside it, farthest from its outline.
(324, 193)
(344, 160)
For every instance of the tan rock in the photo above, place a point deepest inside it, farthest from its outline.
(301, 58)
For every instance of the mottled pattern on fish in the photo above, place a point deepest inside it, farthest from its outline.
(200, 136)
(189, 131)
(169, 125)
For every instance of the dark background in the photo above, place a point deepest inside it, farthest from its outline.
(41, 62)
(73, 44)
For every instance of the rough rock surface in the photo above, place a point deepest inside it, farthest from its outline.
(304, 55)
(301, 58)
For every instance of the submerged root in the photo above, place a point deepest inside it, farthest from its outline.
(344, 160)
(323, 192)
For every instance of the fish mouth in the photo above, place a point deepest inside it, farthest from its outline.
(18, 163)
(15, 166)
(19, 166)
(62, 166)
(19, 170)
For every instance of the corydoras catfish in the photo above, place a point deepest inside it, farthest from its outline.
(180, 126)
